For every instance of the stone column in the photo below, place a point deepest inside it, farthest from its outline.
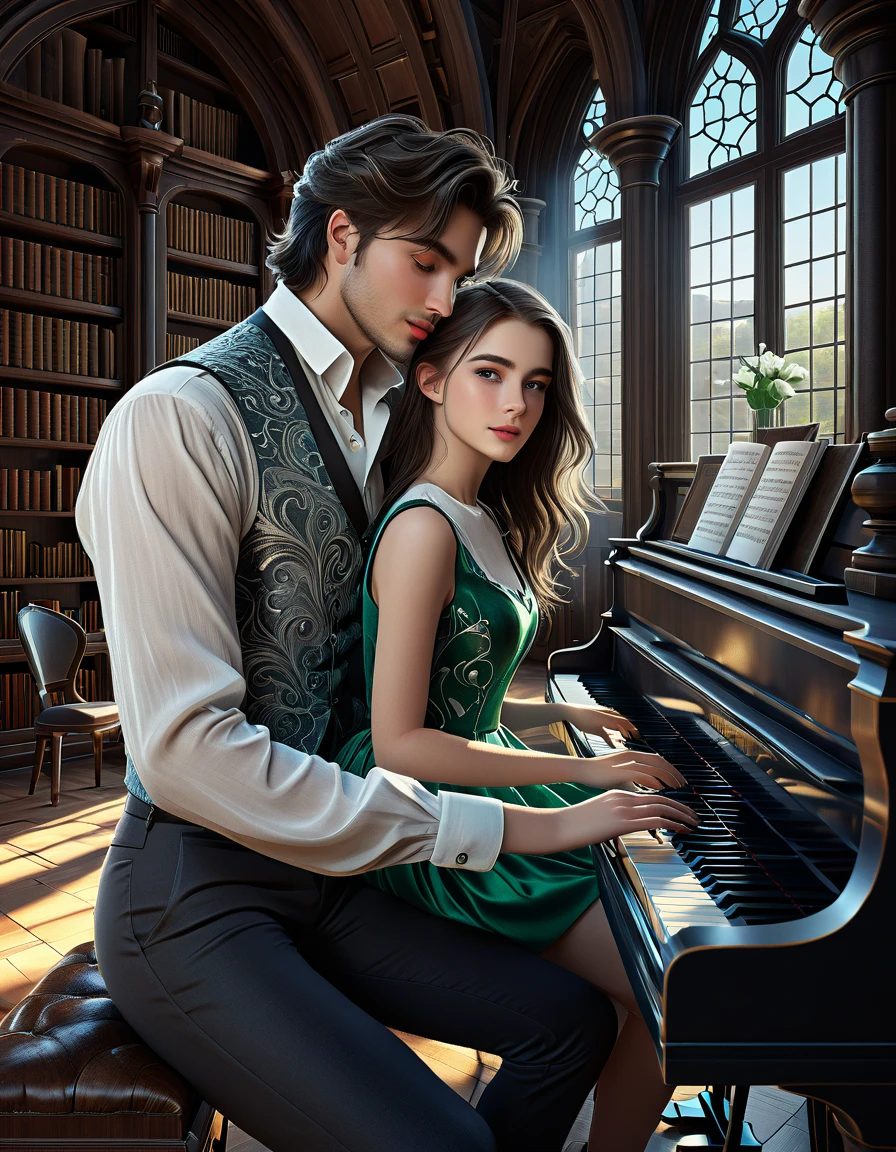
(147, 151)
(637, 147)
(861, 36)
(526, 267)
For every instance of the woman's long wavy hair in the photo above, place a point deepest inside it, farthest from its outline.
(541, 495)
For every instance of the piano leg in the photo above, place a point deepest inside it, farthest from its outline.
(736, 1126)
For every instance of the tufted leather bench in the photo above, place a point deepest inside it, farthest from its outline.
(74, 1075)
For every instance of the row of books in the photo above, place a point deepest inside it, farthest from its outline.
(20, 560)
(177, 345)
(210, 234)
(200, 125)
(51, 344)
(62, 68)
(88, 614)
(29, 414)
(59, 201)
(206, 296)
(20, 704)
(173, 43)
(59, 271)
(39, 490)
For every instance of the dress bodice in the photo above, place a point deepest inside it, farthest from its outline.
(482, 637)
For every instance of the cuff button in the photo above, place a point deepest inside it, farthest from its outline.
(461, 858)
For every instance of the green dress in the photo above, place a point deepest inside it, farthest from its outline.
(483, 635)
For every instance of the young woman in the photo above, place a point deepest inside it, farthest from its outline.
(491, 432)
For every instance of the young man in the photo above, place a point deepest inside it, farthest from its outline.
(223, 510)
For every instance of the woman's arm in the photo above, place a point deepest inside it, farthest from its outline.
(412, 581)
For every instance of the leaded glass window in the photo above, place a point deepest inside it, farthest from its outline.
(721, 243)
(815, 291)
(813, 91)
(595, 183)
(597, 275)
(722, 116)
(711, 27)
(596, 301)
(758, 18)
(765, 241)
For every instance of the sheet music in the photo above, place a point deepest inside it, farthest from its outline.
(763, 512)
(728, 496)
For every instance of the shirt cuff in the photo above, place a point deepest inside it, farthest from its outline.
(471, 829)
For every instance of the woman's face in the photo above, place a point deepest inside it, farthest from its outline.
(496, 394)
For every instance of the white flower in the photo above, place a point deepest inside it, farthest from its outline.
(780, 389)
(745, 377)
(793, 372)
(770, 364)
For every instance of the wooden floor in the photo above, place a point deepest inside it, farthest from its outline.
(50, 861)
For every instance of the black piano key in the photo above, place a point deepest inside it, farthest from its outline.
(769, 862)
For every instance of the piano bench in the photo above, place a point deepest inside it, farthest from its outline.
(74, 1075)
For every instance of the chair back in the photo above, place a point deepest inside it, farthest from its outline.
(54, 647)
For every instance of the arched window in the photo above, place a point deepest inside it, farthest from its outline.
(762, 191)
(596, 295)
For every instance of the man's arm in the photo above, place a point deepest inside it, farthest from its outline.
(160, 514)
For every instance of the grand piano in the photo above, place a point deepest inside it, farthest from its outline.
(761, 946)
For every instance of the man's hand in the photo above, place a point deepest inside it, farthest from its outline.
(624, 768)
(540, 831)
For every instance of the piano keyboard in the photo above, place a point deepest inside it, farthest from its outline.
(755, 859)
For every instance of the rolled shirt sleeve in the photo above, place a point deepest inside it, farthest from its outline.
(164, 503)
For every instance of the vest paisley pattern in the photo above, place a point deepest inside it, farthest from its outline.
(299, 566)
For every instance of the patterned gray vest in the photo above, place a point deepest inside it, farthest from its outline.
(299, 567)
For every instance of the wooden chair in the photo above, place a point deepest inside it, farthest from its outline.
(54, 647)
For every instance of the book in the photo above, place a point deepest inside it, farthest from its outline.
(753, 500)
(74, 46)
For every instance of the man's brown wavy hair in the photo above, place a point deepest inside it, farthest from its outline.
(395, 173)
(541, 495)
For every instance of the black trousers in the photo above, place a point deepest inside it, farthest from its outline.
(267, 987)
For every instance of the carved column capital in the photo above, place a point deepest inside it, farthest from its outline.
(148, 149)
(637, 147)
(861, 37)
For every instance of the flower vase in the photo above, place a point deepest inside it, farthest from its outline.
(766, 418)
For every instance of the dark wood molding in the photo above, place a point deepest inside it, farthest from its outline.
(861, 36)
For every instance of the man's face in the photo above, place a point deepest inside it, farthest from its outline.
(402, 288)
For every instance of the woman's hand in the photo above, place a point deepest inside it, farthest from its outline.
(625, 767)
(617, 813)
(607, 723)
(540, 831)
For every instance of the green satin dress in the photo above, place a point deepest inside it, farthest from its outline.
(483, 635)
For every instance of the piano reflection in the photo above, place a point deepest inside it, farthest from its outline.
(760, 946)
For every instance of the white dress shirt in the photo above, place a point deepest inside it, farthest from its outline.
(171, 489)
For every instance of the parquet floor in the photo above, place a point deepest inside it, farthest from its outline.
(50, 861)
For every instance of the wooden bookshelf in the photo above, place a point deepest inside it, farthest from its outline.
(37, 378)
(15, 582)
(55, 445)
(23, 300)
(201, 321)
(212, 263)
(66, 132)
(62, 234)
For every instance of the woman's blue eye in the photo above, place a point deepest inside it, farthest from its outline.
(536, 384)
(487, 373)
